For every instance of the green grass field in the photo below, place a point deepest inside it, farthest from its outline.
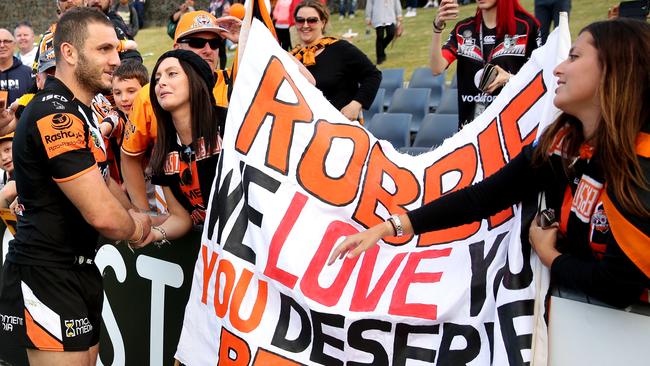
(409, 51)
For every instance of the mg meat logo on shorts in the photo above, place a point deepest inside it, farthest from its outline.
(75, 327)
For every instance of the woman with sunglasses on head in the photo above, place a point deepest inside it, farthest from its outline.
(592, 163)
(188, 142)
(344, 74)
(501, 33)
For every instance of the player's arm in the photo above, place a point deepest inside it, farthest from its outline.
(91, 196)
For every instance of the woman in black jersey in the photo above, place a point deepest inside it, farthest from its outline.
(345, 75)
(501, 33)
(593, 163)
(188, 144)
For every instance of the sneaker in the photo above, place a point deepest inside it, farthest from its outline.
(410, 13)
(351, 16)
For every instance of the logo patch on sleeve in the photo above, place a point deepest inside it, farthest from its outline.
(60, 133)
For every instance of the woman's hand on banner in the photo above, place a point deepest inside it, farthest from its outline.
(543, 240)
(351, 110)
(358, 243)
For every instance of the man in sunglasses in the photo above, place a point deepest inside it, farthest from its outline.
(201, 33)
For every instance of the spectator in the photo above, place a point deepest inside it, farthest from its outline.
(128, 79)
(139, 8)
(8, 188)
(501, 33)
(6, 161)
(385, 16)
(283, 21)
(345, 75)
(188, 143)
(129, 15)
(411, 8)
(186, 7)
(347, 7)
(547, 11)
(599, 144)
(217, 7)
(51, 258)
(200, 33)
(128, 47)
(24, 35)
(15, 78)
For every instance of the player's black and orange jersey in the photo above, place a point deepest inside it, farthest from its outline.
(57, 139)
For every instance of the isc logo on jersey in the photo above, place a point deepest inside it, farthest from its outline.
(60, 133)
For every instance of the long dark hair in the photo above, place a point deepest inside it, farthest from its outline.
(624, 94)
(204, 119)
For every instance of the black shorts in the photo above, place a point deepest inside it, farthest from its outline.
(50, 309)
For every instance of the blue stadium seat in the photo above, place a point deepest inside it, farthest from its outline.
(449, 102)
(435, 129)
(412, 100)
(391, 79)
(415, 151)
(423, 78)
(454, 81)
(393, 127)
(377, 106)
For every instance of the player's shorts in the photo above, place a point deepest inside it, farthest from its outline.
(51, 309)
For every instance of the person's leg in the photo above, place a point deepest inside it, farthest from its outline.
(558, 7)
(544, 16)
(379, 48)
(48, 358)
(390, 34)
(352, 9)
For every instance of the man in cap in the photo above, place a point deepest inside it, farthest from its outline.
(50, 284)
(201, 33)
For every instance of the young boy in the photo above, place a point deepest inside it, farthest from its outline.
(128, 79)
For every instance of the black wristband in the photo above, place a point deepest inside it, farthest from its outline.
(390, 219)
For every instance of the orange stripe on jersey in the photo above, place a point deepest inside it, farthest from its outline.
(634, 243)
(643, 144)
(41, 339)
(67, 179)
(61, 133)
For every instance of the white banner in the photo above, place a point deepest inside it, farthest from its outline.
(296, 176)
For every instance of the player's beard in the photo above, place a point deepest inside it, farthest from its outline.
(90, 76)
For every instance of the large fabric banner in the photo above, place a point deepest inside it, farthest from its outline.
(295, 177)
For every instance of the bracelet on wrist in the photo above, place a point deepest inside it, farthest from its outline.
(162, 232)
(438, 29)
(397, 225)
(392, 224)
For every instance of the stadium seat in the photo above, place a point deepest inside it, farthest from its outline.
(391, 79)
(435, 129)
(392, 127)
(415, 151)
(412, 100)
(377, 106)
(454, 82)
(449, 102)
(423, 78)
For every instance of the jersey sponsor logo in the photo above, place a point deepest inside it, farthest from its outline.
(54, 96)
(10, 84)
(490, 39)
(585, 198)
(9, 321)
(76, 327)
(511, 46)
(478, 98)
(61, 122)
(61, 133)
(467, 46)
